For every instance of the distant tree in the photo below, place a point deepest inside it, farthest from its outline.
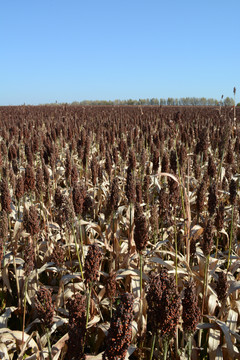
(154, 101)
(170, 101)
(228, 101)
(163, 102)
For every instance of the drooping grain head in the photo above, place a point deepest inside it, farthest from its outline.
(44, 306)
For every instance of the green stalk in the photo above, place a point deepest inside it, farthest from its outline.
(77, 251)
(49, 344)
(165, 348)
(88, 309)
(189, 347)
(230, 240)
(153, 345)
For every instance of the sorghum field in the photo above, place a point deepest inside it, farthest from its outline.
(119, 233)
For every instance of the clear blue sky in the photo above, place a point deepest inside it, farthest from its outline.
(75, 50)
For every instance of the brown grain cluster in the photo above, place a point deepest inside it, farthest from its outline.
(120, 332)
(190, 313)
(163, 304)
(92, 264)
(44, 306)
(76, 328)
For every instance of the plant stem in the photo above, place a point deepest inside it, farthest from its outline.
(153, 345)
(49, 344)
(189, 347)
(165, 349)
(88, 303)
(230, 240)
(141, 268)
(77, 251)
(205, 281)
(81, 239)
(24, 307)
(176, 250)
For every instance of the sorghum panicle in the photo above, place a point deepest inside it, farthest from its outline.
(165, 163)
(219, 220)
(39, 181)
(140, 229)
(163, 304)
(29, 179)
(207, 240)
(58, 255)
(191, 313)
(155, 160)
(120, 332)
(173, 161)
(233, 191)
(201, 197)
(79, 194)
(94, 169)
(114, 196)
(74, 175)
(5, 197)
(3, 225)
(77, 327)
(29, 258)
(92, 263)
(30, 220)
(222, 287)
(211, 167)
(44, 306)
(130, 187)
(212, 199)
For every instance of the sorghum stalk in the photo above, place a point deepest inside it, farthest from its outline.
(230, 240)
(81, 239)
(205, 281)
(49, 344)
(88, 302)
(24, 306)
(77, 251)
(220, 167)
(141, 271)
(165, 348)
(176, 251)
(14, 263)
(181, 190)
(153, 346)
(189, 347)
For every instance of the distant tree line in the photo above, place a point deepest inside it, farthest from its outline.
(186, 101)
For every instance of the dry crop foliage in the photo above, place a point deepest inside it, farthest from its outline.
(119, 233)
